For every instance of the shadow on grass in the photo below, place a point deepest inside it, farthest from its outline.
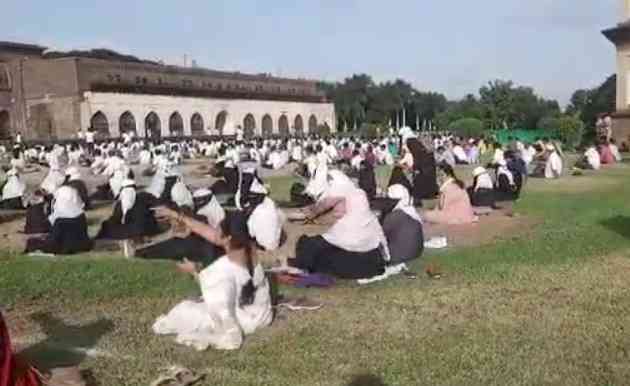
(619, 225)
(65, 345)
(366, 380)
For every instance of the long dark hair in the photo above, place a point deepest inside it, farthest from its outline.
(235, 226)
(448, 170)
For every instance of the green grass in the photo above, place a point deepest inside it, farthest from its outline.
(548, 304)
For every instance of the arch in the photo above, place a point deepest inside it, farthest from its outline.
(176, 125)
(196, 125)
(99, 123)
(312, 125)
(298, 125)
(267, 126)
(5, 125)
(5, 81)
(249, 126)
(152, 126)
(127, 123)
(283, 126)
(220, 121)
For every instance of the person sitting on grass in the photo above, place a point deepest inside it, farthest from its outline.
(13, 192)
(553, 165)
(13, 370)
(481, 192)
(454, 205)
(591, 159)
(402, 226)
(131, 217)
(506, 187)
(236, 297)
(73, 178)
(605, 154)
(190, 245)
(69, 232)
(37, 213)
(615, 150)
(355, 247)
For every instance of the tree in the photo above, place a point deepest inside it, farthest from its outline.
(588, 104)
(467, 127)
(570, 130)
(497, 98)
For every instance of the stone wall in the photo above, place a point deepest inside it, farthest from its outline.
(140, 106)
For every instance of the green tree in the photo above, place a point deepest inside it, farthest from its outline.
(468, 127)
(570, 130)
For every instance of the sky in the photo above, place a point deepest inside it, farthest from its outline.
(449, 46)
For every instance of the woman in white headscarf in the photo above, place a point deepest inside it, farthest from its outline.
(69, 233)
(402, 227)
(131, 217)
(553, 166)
(265, 221)
(191, 246)
(482, 191)
(355, 246)
(13, 191)
(73, 178)
(53, 180)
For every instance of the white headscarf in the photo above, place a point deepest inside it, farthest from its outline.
(484, 181)
(213, 211)
(54, 179)
(127, 197)
(14, 187)
(405, 203)
(66, 204)
(318, 183)
(503, 170)
(181, 195)
(74, 173)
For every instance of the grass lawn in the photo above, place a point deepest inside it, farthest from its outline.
(546, 305)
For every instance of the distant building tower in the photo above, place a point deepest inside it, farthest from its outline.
(620, 37)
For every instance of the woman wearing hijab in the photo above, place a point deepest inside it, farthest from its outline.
(73, 178)
(13, 192)
(423, 171)
(454, 205)
(37, 214)
(236, 298)
(53, 180)
(191, 246)
(13, 372)
(403, 227)
(355, 246)
(264, 221)
(553, 165)
(367, 179)
(506, 187)
(131, 217)
(69, 233)
(482, 191)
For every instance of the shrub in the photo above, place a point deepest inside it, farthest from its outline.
(468, 127)
(570, 130)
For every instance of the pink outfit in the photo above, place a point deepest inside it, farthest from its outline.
(455, 207)
(606, 155)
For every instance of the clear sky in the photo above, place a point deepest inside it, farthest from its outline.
(450, 46)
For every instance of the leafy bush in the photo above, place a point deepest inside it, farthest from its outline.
(570, 130)
(468, 127)
(548, 123)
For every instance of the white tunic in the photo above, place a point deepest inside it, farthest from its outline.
(553, 168)
(218, 320)
(265, 225)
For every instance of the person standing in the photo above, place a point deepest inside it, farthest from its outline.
(89, 140)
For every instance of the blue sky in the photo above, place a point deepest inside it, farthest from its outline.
(450, 46)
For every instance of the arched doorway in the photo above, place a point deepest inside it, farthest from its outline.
(152, 126)
(176, 125)
(219, 123)
(249, 126)
(283, 126)
(267, 126)
(312, 125)
(5, 125)
(196, 125)
(298, 126)
(127, 123)
(100, 125)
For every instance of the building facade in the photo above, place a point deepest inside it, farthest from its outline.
(53, 96)
(620, 37)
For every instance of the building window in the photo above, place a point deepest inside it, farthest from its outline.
(138, 80)
(219, 87)
(159, 81)
(117, 78)
(110, 77)
(144, 81)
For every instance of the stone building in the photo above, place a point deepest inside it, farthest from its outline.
(620, 36)
(48, 96)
